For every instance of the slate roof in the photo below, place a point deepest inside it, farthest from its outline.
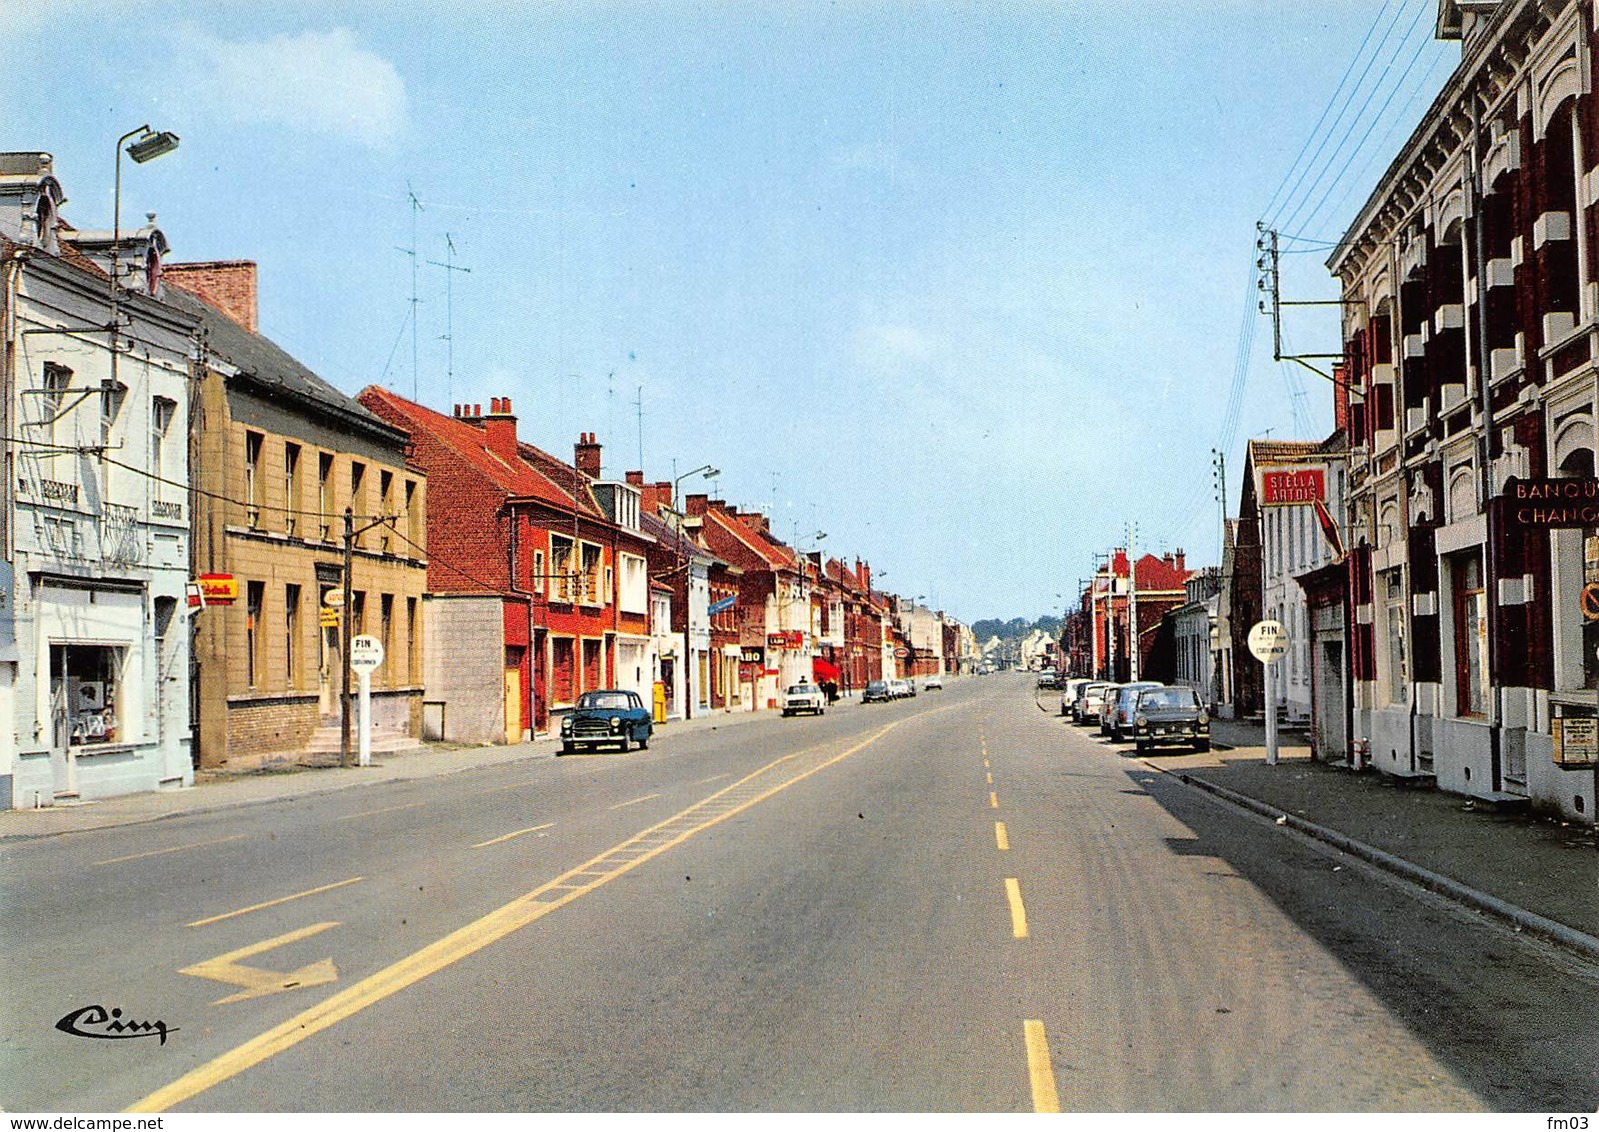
(269, 367)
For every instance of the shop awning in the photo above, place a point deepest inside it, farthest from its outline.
(824, 669)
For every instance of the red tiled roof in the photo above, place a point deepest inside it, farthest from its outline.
(524, 478)
(1157, 574)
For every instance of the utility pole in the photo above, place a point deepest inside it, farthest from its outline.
(1132, 604)
(1218, 465)
(344, 638)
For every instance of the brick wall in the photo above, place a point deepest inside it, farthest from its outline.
(285, 724)
(226, 285)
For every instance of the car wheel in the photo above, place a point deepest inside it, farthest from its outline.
(1201, 744)
(644, 743)
(1115, 734)
(566, 749)
(1142, 746)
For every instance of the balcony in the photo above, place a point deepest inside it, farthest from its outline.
(1452, 396)
(1501, 273)
(1558, 325)
(1416, 418)
(1503, 362)
(1416, 345)
(1449, 316)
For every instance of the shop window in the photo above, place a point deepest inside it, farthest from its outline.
(86, 691)
(1471, 635)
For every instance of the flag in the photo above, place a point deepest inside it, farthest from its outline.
(1329, 528)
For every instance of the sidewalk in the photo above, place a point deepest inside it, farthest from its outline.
(1540, 874)
(279, 778)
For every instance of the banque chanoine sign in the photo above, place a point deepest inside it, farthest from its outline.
(1551, 503)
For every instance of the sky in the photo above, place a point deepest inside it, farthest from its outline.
(966, 288)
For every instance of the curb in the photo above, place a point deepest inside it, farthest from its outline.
(1520, 918)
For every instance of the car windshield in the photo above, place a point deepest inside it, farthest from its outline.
(605, 701)
(1162, 699)
(875, 684)
(800, 689)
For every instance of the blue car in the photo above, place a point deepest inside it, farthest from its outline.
(614, 716)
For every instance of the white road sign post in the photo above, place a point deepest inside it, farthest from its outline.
(366, 653)
(1268, 641)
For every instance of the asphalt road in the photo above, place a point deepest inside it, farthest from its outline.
(951, 903)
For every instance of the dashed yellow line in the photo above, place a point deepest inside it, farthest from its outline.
(384, 810)
(273, 903)
(991, 780)
(1040, 1068)
(993, 800)
(508, 836)
(635, 801)
(1018, 911)
(173, 849)
(1001, 838)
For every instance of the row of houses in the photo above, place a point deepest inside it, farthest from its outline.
(197, 524)
(1435, 560)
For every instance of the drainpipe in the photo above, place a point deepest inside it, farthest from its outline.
(1485, 453)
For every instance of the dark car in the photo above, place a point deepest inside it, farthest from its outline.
(877, 691)
(1118, 716)
(1170, 715)
(611, 716)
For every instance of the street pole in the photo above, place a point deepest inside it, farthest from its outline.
(344, 639)
(1132, 604)
(1271, 714)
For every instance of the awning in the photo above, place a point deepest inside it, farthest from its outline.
(824, 669)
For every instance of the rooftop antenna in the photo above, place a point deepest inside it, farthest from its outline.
(638, 403)
(416, 207)
(449, 312)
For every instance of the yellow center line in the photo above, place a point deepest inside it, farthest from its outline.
(480, 933)
(384, 810)
(518, 833)
(993, 800)
(985, 764)
(1001, 838)
(1018, 913)
(713, 778)
(173, 849)
(634, 802)
(273, 903)
(1040, 1067)
(990, 779)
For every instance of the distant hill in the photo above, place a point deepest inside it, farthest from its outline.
(1014, 629)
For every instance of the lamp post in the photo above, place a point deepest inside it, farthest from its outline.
(145, 145)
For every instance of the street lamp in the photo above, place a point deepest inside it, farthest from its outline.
(145, 145)
(688, 631)
(706, 468)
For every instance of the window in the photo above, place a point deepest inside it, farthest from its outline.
(386, 634)
(57, 380)
(1471, 636)
(591, 573)
(86, 694)
(291, 487)
(562, 569)
(358, 612)
(252, 480)
(358, 496)
(1394, 614)
(162, 412)
(291, 635)
(386, 509)
(324, 491)
(413, 656)
(539, 583)
(255, 595)
(413, 521)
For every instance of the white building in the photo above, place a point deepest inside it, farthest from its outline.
(94, 649)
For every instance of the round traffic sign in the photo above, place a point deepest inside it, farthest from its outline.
(1590, 602)
(1268, 641)
(366, 653)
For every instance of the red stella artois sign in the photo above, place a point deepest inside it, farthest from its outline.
(1281, 487)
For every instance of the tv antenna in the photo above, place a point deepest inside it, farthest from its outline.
(416, 207)
(450, 269)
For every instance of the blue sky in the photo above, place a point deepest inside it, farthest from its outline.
(960, 284)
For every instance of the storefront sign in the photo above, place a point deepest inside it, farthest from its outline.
(1576, 742)
(1551, 504)
(215, 589)
(790, 639)
(753, 654)
(1284, 487)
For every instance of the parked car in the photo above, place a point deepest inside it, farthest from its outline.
(613, 715)
(1068, 693)
(1170, 715)
(1090, 698)
(1120, 708)
(804, 697)
(933, 684)
(1047, 678)
(877, 691)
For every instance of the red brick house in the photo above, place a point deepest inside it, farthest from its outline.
(537, 572)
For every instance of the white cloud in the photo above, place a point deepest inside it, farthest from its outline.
(317, 82)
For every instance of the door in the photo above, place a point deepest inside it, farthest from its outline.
(513, 704)
(1330, 741)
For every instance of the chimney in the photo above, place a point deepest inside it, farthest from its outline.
(635, 479)
(586, 455)
(756, 521)
(697, 505)
(1340, 396)
(1180, 565)
(225, 285)
(1166, 559)
(499, 428)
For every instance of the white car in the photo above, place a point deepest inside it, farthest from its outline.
(933, 684)
(804, 697)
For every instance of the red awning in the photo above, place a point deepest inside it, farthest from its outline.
(823, 669)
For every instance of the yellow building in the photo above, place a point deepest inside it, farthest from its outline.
(279, 456)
